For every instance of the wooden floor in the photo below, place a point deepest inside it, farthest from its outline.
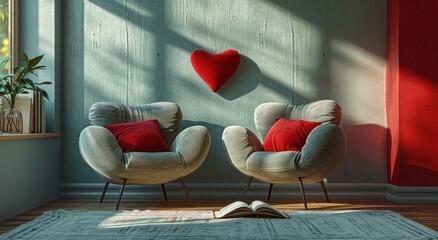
(424, 214)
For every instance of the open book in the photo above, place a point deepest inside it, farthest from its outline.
(256, 209)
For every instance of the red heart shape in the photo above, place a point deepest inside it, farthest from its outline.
(215, 69)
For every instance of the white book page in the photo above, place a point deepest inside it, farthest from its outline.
(259, 204)
(263, 208)
(233, 206)
(237, 208)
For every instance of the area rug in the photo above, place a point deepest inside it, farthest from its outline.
(63, 224)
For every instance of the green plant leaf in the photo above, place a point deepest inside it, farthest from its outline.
(21, 85)
(34, 61)
(5, 77)
(44, 94)
(41, 67)
(11, 85)
(43, 83)
(29, 81)
(36, 68)
(26, 58)
(4, 61)
(18, 70)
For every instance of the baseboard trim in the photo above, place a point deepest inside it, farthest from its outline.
(225, 191)
(398, 194)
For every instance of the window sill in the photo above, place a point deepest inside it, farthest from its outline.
(14, 136)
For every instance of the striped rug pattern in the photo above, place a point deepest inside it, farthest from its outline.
(149, 224)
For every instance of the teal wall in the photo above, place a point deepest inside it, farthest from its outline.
(29, 174)
(295, 52)
(30, 168)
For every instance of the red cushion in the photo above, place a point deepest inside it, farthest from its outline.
(288, 135)
(142, 136)
(215, 69)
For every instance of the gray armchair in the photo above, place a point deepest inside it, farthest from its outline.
(100, 150)
(325, 146)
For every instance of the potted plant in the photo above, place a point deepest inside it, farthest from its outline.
(16, 83)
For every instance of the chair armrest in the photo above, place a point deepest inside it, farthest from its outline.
(192, 144)
(265, 115)
(100, 150)
(240, 143)
(325, 147)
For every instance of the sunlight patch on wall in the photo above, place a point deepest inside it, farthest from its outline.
(131, 7)
(120, 51)
(358, 82)
(272, 43)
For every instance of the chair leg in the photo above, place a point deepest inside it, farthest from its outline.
(186, 191)
(121, 193)
(104, 191)
(303, 193)
(247, 187)
(270, 191)
(325, 191)
(164, 192)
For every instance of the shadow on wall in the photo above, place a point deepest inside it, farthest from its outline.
(74, 116)
(365, 145)
(245, 79)
(148, 19)
(217, 159)
(328, 13)
(136, 16)
(405, 173)
(248, 77)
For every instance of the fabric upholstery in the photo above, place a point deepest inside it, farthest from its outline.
(288, 135)
(215, 69)
(325, 146)
(100, 150)
(168, 115)
(240, 143)
(323, 111)
(144, 136)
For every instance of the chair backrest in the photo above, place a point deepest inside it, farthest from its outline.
(265, 115)
(168, 115)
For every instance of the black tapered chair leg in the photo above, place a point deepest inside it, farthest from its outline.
(303, 193)
(247, 187)
(164, 192)
(270, 191)
(121, 193)
(104, 191)
(186, 191)
(325, 191)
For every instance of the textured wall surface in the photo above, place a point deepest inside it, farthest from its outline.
(412, 93)
(291, 51)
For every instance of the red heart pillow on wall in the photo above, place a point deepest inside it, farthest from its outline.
(215, 69)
